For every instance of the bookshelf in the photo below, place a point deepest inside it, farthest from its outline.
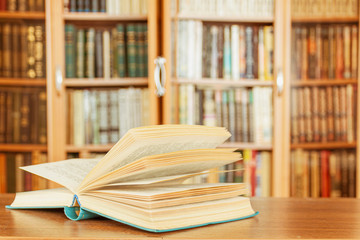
(23, 115)
(59, 149)
(175, 14)
(324, 101)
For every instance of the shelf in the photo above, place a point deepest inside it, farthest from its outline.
(74, 16)
(325, 19)
(218, 82)
(326, 145)
(23, 82)
(101, 82)
(322, 82)
(23, 15)
(89, 148)
(252, 146)
(22, 147)
(224, 18)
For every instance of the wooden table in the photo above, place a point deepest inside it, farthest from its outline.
(279, 219)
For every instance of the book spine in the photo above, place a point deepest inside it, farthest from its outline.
(235, 57)
(209, 116)
(19, 174)
(103, 116)
(227, 53)
(140, 51)
(99, 54)
(11, 177)
(232, 129)
(347, 51)
(249, 53)
(102, 5)
(242, 53)
(88, 134)
(214, 52)
(113, 51)
(330, 95)
(86, 5)
(73, 6)
(11, 5)
(24, 51)
(312, 53)
(25, 118)
(95, 6)
(325, 52)
(80, 53)
(220, 52)
(319, 48)
(145, 50)
(34, 117)
(304, 54)
(31, 52)
(238, 114)
(16, 116)
(255, 44)
(40, 5)
(15, 51)
(90, 53)
(120, 45)
(113, 116)
(106, 54)
(7, 60)
(354, 51)
(2, 116)
(131, 50)
(9, 117)
(339, 64)
(42, 128)
(80, 5)
(70, 50)
(269, 52)
(39, 52)
(79, 127)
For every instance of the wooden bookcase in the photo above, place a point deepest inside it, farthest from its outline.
(23, 20)
(164, 109)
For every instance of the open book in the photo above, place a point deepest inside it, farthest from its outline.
(139, 182)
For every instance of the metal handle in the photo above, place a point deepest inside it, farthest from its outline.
(58, 78)
(280, 82)
(160, 80)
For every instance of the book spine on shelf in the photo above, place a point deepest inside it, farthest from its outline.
(23, 50)
(90, 53)
(80, 53)
(2, 116)
(15, 51)
(70, 50)
(25, 117)
(120, 46)
(42, 117)
(131, 50)
(7, 56)
(31, 73)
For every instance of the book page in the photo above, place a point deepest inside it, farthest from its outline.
(68, 173)
(48, 198)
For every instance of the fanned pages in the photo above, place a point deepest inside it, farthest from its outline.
(140, 181)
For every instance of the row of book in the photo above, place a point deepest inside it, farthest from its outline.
(23, 115)
(121, 51)
(22, 50)
(323, 173)
(13, 179)
(323, 114)
(113, 7)
(324, 51)
(101, 116)
(258, 8)
(324, 8)
(224, 51)
(22, 5)
(245, 112)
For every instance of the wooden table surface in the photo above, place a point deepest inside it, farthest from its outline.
(279, 218)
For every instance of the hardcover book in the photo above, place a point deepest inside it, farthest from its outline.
(139, 181)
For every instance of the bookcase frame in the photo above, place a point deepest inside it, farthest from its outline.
(288, 20)
(56, 18)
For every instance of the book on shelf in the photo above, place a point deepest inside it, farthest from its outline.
(324, 51)
(323, 173)
(224, 51)
(22, 5)
(23, 50)
(138, 182)
(23, 115)
(246, 112)
(13, 179)
(323, 114)
(100, 116)
(111, 7)
(247, 8)
(119, 51)
(324, 8)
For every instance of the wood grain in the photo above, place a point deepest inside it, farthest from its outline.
(279, 218)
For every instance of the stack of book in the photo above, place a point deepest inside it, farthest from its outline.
(22, 5)
(323, 173)
(224, 51)
(324, 8)
(23, 115)
(323, 114)
(22, 50)
(324, 51)
(103, 116)
(259, 8)
(246, 112)
(13, 179)
(120, 51)
(113, 7)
